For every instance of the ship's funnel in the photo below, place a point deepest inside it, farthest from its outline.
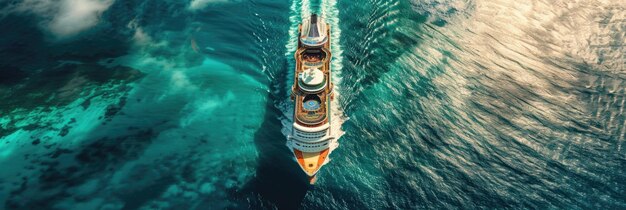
(313, 32)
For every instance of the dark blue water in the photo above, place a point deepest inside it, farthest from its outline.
(442, 104)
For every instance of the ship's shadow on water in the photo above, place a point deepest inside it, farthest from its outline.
(278, 181)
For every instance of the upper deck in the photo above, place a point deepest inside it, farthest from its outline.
(312, 87)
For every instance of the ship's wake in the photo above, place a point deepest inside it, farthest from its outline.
(331, 14)
(286, 106)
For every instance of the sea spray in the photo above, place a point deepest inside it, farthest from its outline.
(331, 14)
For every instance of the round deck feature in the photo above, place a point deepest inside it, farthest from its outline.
(312, 77)
(312, 80)
(311, 103)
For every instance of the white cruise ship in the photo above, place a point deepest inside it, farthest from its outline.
(311, 139)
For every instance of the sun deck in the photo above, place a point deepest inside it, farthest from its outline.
(311, 110)
(312, 106)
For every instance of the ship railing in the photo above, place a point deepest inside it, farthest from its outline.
(319, 63)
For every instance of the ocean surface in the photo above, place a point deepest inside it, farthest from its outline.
(184, 104)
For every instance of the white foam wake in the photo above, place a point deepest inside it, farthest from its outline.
(331, 14)
(305, 9)
(295, 17)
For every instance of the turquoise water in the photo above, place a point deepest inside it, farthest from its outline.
(185, 105)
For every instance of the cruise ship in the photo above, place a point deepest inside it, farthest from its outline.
(311, 139)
